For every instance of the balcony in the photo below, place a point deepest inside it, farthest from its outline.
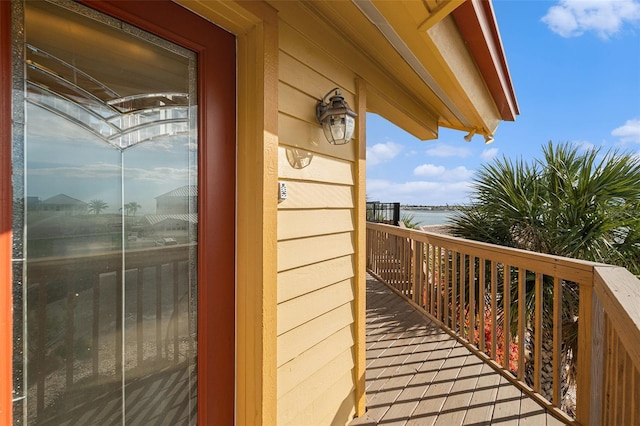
(470, 291)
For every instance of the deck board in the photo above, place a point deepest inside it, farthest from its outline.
(419, 375)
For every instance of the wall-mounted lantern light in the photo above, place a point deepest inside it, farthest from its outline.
(337, 119)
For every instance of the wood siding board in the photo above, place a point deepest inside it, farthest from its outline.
(306, 251)
(321, 169)
(295, 312)
(304, 83)
(297, 282)
(295, 342)
(332, 406)
(293, 224)
(311, 195)
(308, 54)
(296, 371)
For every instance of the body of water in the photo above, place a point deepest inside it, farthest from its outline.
(428, 217)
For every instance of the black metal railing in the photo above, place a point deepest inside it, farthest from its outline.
(388, 213)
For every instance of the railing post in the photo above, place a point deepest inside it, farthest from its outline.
(589, 369)
(396, 214)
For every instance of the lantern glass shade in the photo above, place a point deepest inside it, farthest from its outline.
(338, 129)
(337, 119)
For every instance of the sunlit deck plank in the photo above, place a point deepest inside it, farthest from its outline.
(418, 375)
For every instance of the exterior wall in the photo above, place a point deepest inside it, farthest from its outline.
(317, 265)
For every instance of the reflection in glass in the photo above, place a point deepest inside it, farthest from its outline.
(110, 222)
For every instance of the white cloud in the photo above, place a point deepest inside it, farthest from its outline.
(489, 154)
(629, 132)
(441, 173)
(382, 152)
(443, 150)
(429, 170)
(572, 18)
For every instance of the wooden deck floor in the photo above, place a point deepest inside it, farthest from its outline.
(419, 375)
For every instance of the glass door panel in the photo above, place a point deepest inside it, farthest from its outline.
(110, 221)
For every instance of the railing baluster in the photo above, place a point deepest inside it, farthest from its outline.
(481, 304)
(538, 335)
(454, 290)
(407, 266)
(69, 333)
(522, 275)
(118, 328)
(557, 339)
(417, 272)
(434, 282)
(447, 277)
(439, 284)
(159, 311)
(506, 330)
(139, 316)
(463, 318)
(95, 333)
(494, 310)
(472, 299)
(176, 336)
(41, 345)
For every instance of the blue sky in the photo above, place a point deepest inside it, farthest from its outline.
(575, 66)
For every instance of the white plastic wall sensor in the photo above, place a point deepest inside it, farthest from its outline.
(282, 191)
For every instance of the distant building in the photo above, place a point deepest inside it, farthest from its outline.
(61, 203)
(178, 201)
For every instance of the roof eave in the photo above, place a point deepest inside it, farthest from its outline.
(477, 24)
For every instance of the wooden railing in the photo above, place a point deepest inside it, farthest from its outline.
(148, 277)
(517, 310)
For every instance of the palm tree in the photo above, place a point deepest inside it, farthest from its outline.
(132, 207)
(97, 206)
(580, 204)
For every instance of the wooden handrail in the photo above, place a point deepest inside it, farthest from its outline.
(461, 284)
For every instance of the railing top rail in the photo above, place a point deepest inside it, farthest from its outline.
(39, 268)
(577, 270)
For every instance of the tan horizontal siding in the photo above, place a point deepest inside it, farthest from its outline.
(320, 394)
(316, 242)
(299, 281)
(311, 195)
(320, 169)
(295, 372)
(305, 251)
(300, 310)
(306, 52)
(307, 223)
(293, 343)
(293, 97)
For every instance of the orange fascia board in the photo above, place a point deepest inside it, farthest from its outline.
(477, 24)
